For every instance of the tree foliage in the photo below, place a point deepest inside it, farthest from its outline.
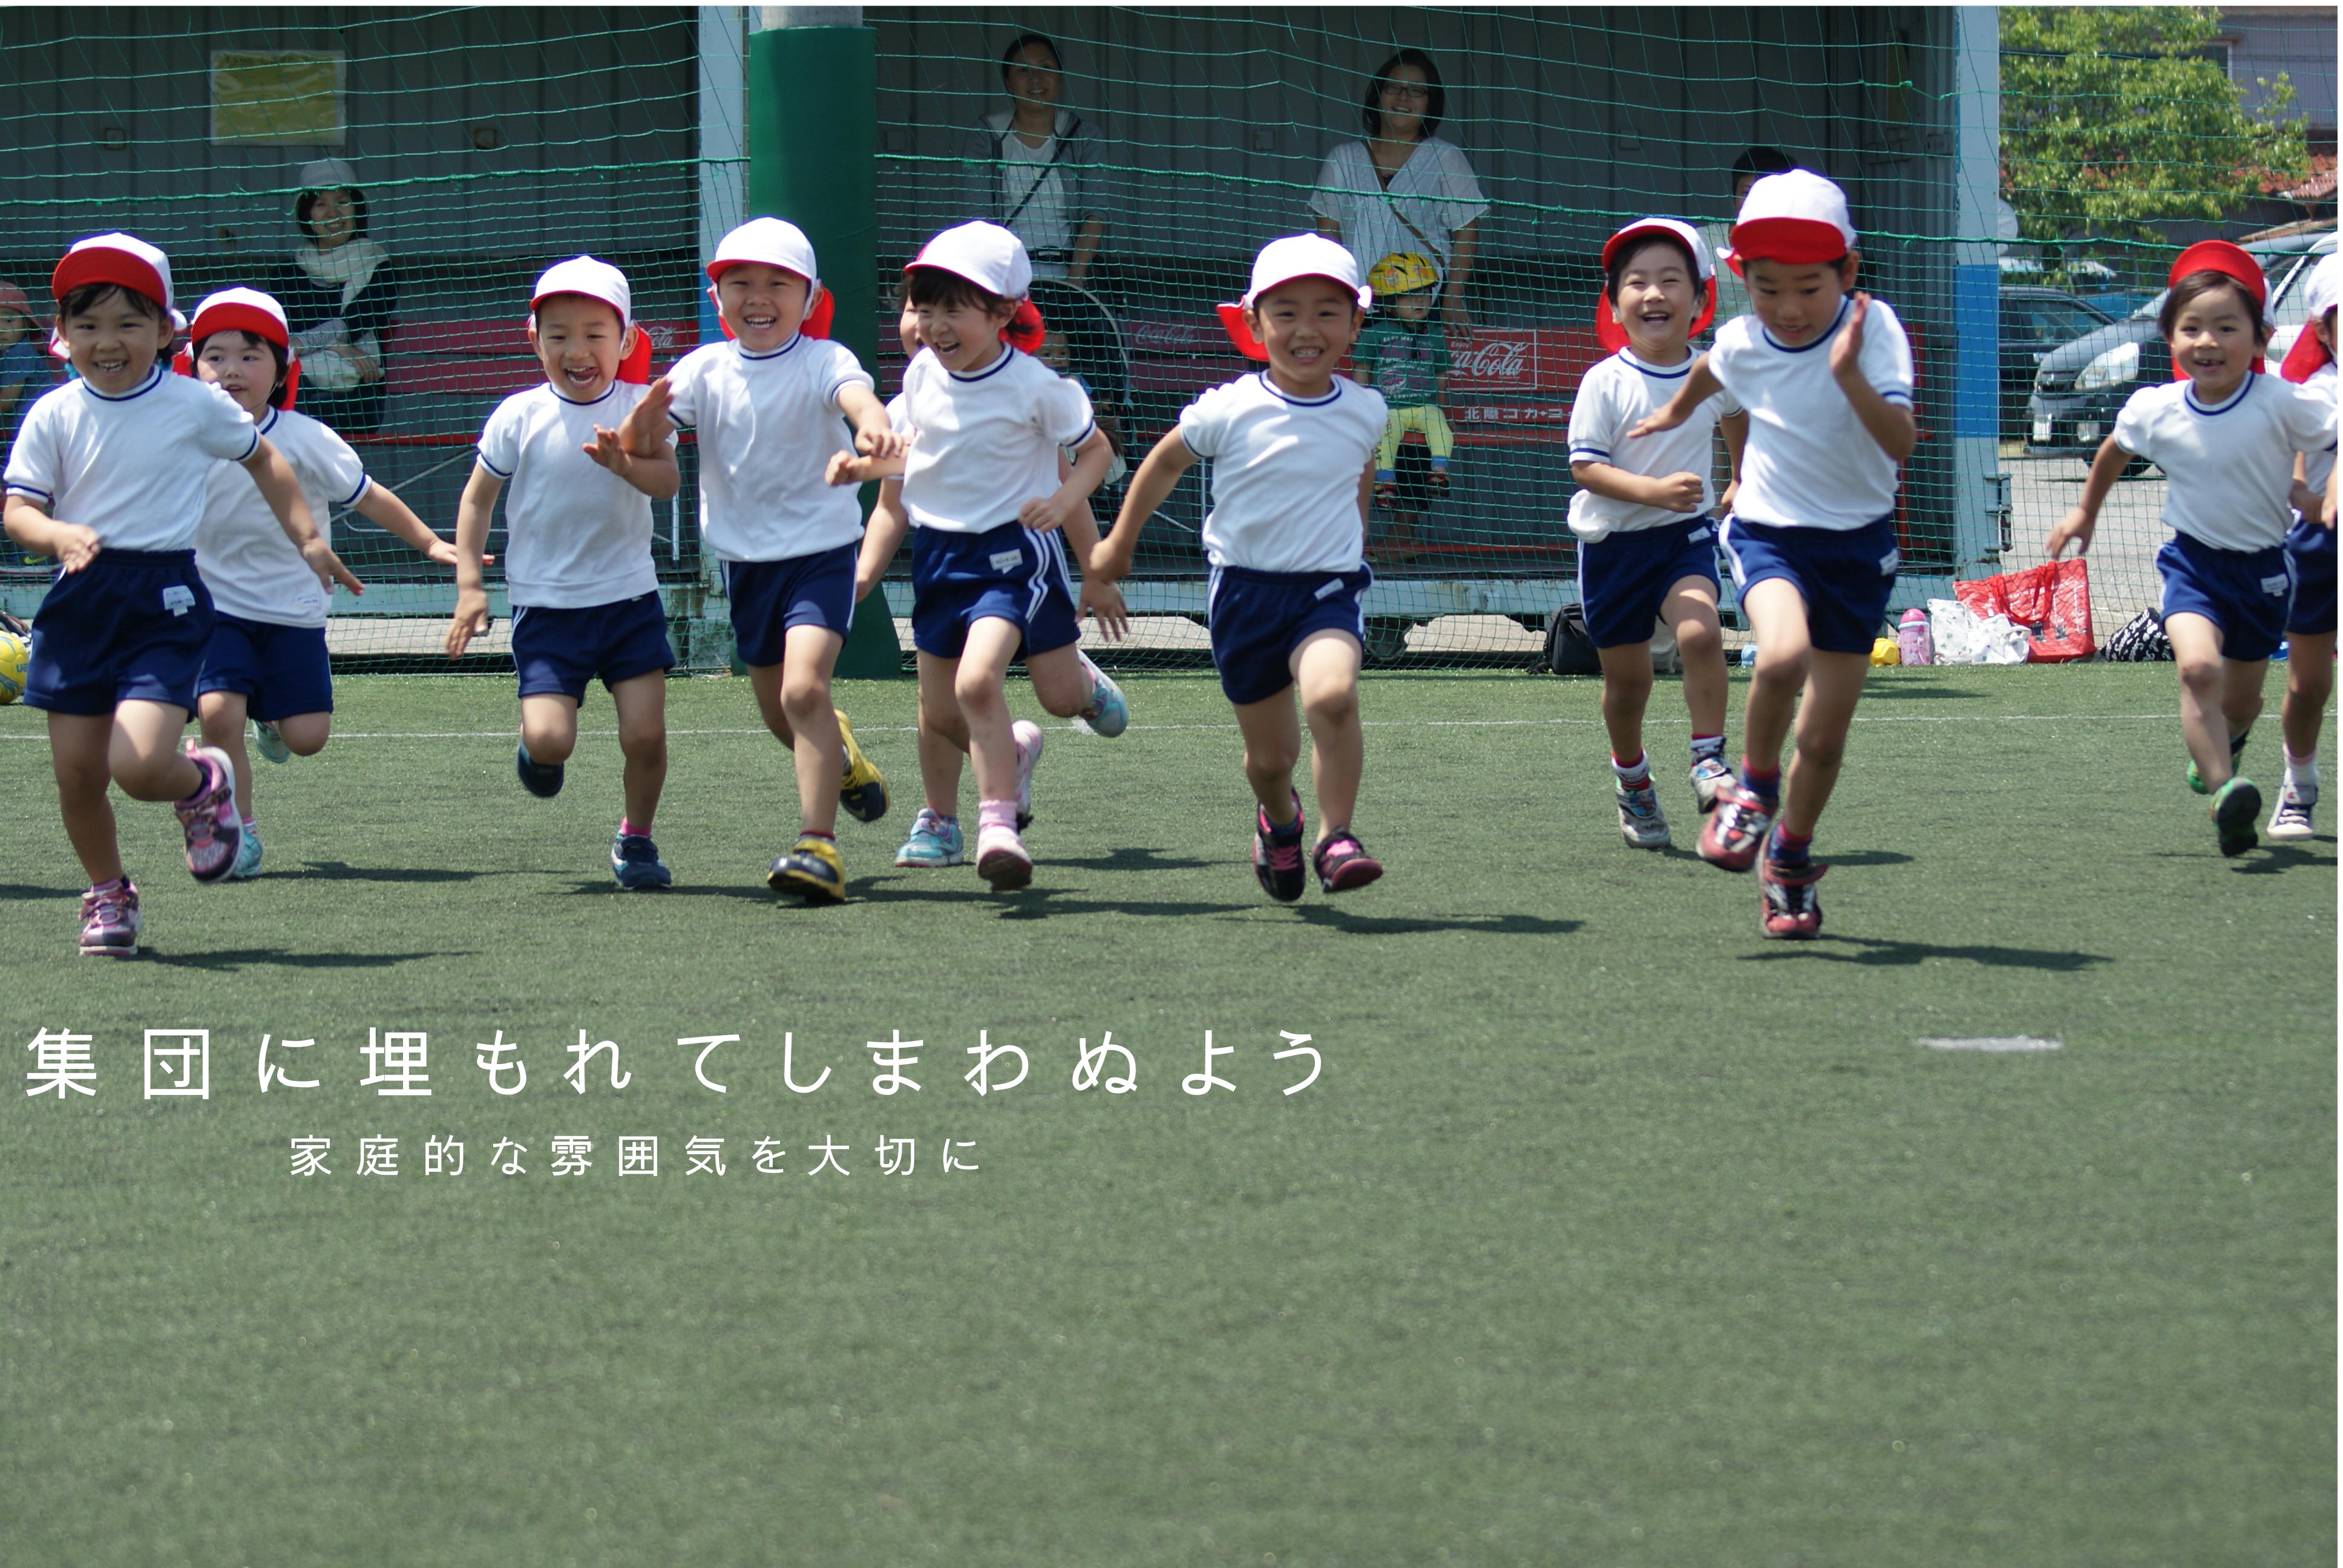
(2111, 120)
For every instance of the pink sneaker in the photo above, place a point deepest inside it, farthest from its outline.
(110, 922)
(214, 832)
(1001, 858)
(1028, 736)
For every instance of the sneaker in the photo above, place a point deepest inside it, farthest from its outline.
(1277, 856)
(1001, 858)
(811, 869)
(248, 856)
(2197, 778)
(1028, 736)
(1641, 821)
(1107, 713)
(1709, 778)
(1736, 829)
(1343, 863)
(110, 922)
(542, 779)
(635, 861)
(2291, 820)
(2236, 805)
(269, 743)
(214, 831)
(1787, 905)
(861, 788)
(934, 842)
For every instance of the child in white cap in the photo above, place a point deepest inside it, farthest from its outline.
(979, 492)
(1825, 373)
(577, 547)
(2310, 545)
(268, 657)
(1292, 448)
(1646, 542)
(772, 405)
(107, 477)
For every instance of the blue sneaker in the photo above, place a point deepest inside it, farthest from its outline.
(248, 856)
(635, 861)
(542, 779)
(935, 841)
(269, 743)
(1107, 713)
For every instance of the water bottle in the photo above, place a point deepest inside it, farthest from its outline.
(1913, 639)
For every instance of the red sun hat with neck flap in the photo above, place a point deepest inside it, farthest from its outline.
(993, 258)
(1796, 217)
(594, 278)
(772, 242)
(2230, 261)
(242, 310)
(1607, 330)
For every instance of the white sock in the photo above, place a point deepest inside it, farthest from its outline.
(2302, 776)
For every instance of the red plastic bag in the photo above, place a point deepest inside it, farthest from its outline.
(2051, 601)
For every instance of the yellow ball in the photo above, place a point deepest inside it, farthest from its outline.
(14, 654)
(1885, 651)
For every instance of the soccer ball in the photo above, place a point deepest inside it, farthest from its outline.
(15, 654)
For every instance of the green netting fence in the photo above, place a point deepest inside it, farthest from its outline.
(488, 142)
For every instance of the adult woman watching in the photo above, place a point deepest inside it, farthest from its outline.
(340, 294)
(1405, 188)
(1035, 165)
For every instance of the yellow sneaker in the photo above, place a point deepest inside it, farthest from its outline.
(811, 869)
(861, 788)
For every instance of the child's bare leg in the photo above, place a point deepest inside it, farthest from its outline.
(1059, 683)
(765, 685)
(979, 686)
(1834, 687)
(305, 734)
(144, 752)
(2241, 692)
(78, 747)
(1690, 611)
(943, 735)
(2203, 686)
(1326, 672)
(1778, 611)
(809, 656)
(549, 726)
(641, 702)
(2310, 681)
(1272, 731)
(1626, 693)
(223, 714)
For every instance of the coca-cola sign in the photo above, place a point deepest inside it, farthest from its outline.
(1521, 361)
(1496, 360)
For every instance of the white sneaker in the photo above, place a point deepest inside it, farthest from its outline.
(1709, 775)
(1028, 736)
(1108, 715)
(2291, 820)
(1641, 821)
(1001, 858)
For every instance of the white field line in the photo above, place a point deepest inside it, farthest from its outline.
(1991, 1042)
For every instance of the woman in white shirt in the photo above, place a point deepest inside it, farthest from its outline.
(1034, 165)
(1405, 188)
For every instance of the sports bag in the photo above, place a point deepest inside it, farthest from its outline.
(2141, 641)
(2051, 601)
(1569, 646)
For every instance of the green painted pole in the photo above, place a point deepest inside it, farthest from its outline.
(813, 123)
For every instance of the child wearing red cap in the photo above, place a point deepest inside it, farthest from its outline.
(1825, 373)
(2226, 436)
(578, 547)
(108, 475)
(772, 405)
(2310, 545)
(1646, 543)
(268, 657)
(978, 488)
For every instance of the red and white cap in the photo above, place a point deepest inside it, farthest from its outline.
(594, 279)
(243, 310)
(2318, 292)
(1607, 330)
(123, 259)
(1796, 216)
(1281, 261)
(985, 254)
(771, 242)
(2230, 261)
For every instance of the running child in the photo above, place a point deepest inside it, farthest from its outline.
(1825, 374)
(2225, 437)
(1403, 354)
(772, 405)
(578, 547)
(107, 477)
(978, 492)
(2310, 545)
(267, 654)
(1648, 544)
(1292, 449)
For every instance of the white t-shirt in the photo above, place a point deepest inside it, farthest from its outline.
(2318, 468)
(769, 424)
(1285, 473)
(1809, 462)
(133, 466)
(2229, 470)
(576, 534)
(1434, 190)
(983, 445)
(251, 567)
(1613, 396)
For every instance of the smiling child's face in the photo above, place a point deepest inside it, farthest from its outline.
(114, 343)
(2213, 342)
(1307, 325)
(579, 341)
(1797, 301)
(241, 366)
(764, 306)
(1656, 300)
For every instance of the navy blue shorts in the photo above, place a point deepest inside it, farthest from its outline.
(1623, 576)
(2311, 549)
(2246, 593)
(1010, 573)
(132, 626)
(1845, 574)
(771, 598)
(281, 671)
(559, 650)
(1259, 618)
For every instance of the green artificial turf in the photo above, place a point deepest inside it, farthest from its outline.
(1610, 1233)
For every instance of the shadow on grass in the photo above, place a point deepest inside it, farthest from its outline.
(12, 891)
(1043, 903)
(277, 957)
(340, 872)
(754, 893)
(2276, 858)
(1137, 859)
(1884, 954)
(1404, 925)
(1895, 689)
(1866, 858)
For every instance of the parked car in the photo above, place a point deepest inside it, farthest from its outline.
(2034, 321)
(2080, 387)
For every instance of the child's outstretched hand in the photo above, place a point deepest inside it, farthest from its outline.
(471, 621)
(1681, 493)
(1043, 513)
(1665, 417)
(881, 444)
(609, 450)
(1105, 600)
(645, 428)
(329, 567)
(847, 468)
(2076, 527)
(77, 545)
(1846, 354)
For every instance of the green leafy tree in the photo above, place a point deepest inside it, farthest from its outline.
(2112, 119)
